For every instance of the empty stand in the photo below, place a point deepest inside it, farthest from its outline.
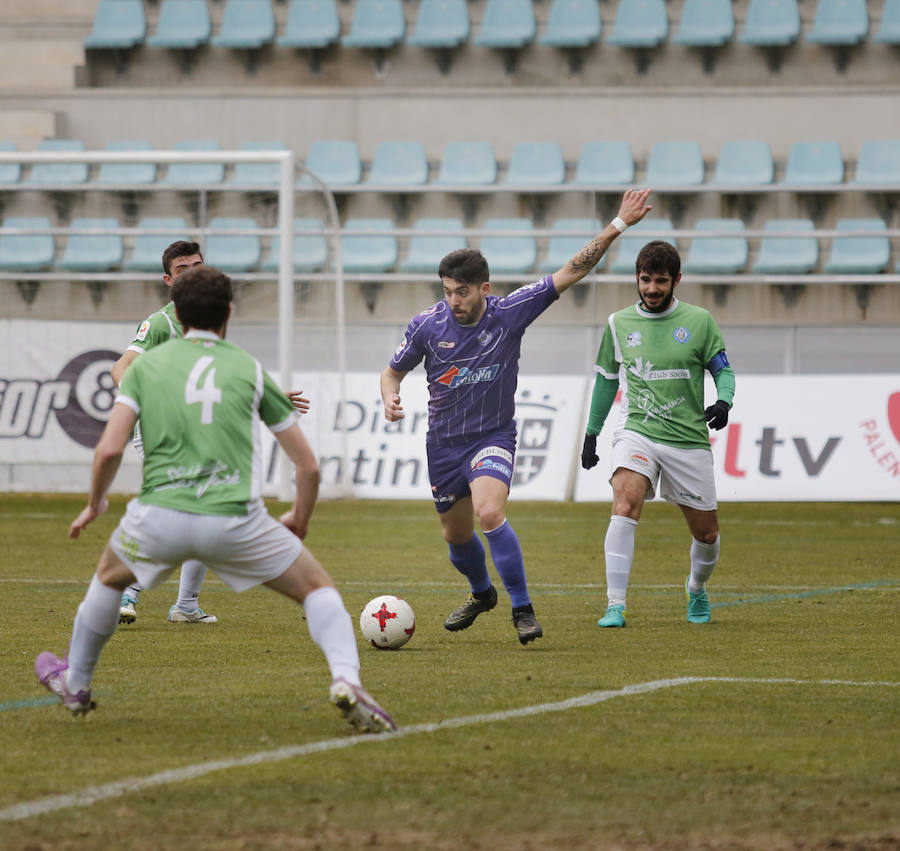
(507, 25)
(717, 255)
(442, 26)
(879, 162)
(377, 25)
(146, 255)
(197, 173)
(467, 163)
(334, 161)
(247, 25)
(119, 26)
(309, 245)
(258, 174)
(536, 164)
(369, 253)
(571, 26)
(232, 252)
(640, 25)
(183, 26)
(10, 173)
(707, 25)
(772, 25)
(26, 252)
(100, 252)
(514, 252)
(677, 163)
(562, 246)
(604, 163)
(634, 239)
(744, 162)
(859, 255)
(426, 250)
(311, 25)
(62, 173)
(127, 174)
(840, 24)
(788, 255)
(399, 163)
(889, 30)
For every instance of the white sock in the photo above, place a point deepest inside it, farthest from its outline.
(95, 622)
(134, 592)
(193, 573)
(331, 627)
(703, 562)
(619, 551)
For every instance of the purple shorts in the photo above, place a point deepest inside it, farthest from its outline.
(451, 468)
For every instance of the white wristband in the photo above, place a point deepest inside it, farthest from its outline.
(619, 224)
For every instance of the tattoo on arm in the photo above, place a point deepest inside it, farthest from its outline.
(590, 255)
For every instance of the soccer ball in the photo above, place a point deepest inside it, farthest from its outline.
(387, 622)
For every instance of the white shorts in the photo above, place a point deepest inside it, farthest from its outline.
(242, 551)
(685, 476)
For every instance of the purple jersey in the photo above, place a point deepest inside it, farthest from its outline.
(472, 370)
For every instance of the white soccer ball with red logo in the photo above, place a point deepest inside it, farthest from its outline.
(387, 622)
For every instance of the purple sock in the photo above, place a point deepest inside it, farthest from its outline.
(507, 556)
(469, 560)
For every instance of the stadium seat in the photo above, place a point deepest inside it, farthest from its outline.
(467, 164)
(92, 252)
(889, 31)
(717, 255)
(840, 24)
(119, 25)
(507, 25)
(246, 25)
(146, 256)
(441, 25)
(427, 250)
(197, 173)
(640, 25)
(571, 26)
(399, 164)
(859, 255)
(310, 248)
(364, 253)
(59, 173)
(633, 241)
(9, 172)
(536, 164)
(706, 24)
(183, 26)
(258, 174)
(26, 252)
(232, 252)
(122, 174)
(744, 162)
(311, 25)
(787, 256)
(604, 163)
(510, 254)
(773, 25)
(334, 161)
(562, 248)
(376, 25)
(812, 163)
(879, 162)
(675, 164)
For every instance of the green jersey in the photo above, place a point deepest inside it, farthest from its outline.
(202, 402)
(157, 328)
(659, 360)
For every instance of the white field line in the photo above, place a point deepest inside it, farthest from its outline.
(93, 794)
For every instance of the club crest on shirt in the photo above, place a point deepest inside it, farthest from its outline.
(142, 331)
(485, 337)
(681, 335)
(446, 344)
(633, 339)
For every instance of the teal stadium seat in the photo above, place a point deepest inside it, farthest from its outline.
(376, 24)
(246, 24)
(633, 240)
(717, 255)
(48, 174)
(399, 163)
(442, 26)
(771, 23)
(196, 173)
(122, 174)
(467, 164)
(311, 25)
(572, 23)
(859, 255)
(92, 252)
(146, 255)
(229, 251)
(514, 252)
(562, 247)
(640, 25)
(744, 162)
(258, 174)
(507, 25)
(879, 162)
(427, 250)
(675, 164)
(336, 162)
(369, 253)
(26, 252)
(310, 247)
(10, 173)
(840, 24)
(814, 163)
(536, 164)
(889, 31)
(705, 24)
(604, 163)
(183, 26)
(787, 256)
(119, 26)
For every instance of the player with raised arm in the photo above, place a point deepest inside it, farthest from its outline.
(470, 343)
(201, 402)
(657, 351)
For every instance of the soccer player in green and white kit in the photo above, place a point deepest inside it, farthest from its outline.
(202, 403)
(657, 351)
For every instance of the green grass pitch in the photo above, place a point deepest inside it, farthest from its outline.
(776, 726)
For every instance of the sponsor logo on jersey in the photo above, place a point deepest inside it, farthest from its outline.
(646, 372)
(455, 377)
(446, 344)
(401, 347)
(633, 339)
(430, 311)
(442, 498)
(142, 331)
(681, 335)
(640, 459)
(492, 451)
(490, 464)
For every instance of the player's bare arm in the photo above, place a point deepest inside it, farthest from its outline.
(307, 478)
(107, 457)
(390, 394)
(632, 209)
(119, 367)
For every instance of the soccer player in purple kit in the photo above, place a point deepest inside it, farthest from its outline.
(470, 342)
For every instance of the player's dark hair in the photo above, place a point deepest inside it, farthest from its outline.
(658, 257)
(179, 249)
(202, 296)
(466, 265)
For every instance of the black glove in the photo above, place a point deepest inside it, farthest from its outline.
(589, 452)
(717, 414)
